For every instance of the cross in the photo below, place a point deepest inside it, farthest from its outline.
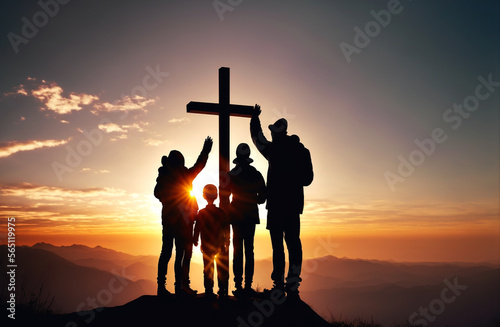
(223, 109)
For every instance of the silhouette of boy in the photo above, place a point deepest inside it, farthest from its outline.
(212, 226)
(248, 188)
(290, 169)
(173, 187)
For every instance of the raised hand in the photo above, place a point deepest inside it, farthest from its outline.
(207, 146)
(257, 111)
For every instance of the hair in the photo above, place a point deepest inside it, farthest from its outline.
(210, 192)
(176, 159)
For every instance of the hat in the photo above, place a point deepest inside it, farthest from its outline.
(243, 154)
(279, 126)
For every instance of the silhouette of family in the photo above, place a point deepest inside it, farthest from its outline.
(290, 170)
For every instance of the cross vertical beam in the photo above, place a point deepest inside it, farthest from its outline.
(223, 137)
(224, 110)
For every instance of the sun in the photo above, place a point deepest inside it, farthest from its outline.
(204, 178)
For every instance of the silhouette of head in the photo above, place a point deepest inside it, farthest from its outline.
(243, 154)
(164, 160)
(176, 159)
(210, 193)
(278, 129)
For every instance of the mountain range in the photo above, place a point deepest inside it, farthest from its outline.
(79, 277)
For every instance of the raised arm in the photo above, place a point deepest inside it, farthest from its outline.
(202, 158)
(258, 137)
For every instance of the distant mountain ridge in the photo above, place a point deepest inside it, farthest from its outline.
(79, 252)
(387, 291)
(44, 275)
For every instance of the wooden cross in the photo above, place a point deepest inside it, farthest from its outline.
(223, 109)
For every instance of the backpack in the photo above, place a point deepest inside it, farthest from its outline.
(157, 191)
(305, 169)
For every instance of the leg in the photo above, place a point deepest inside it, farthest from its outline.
(179, 256)
(165, 255)
(248, 239)
(208, 273)
(278, 257)
(292, 239)
(186, 261)
(222, 260)
(238, 255)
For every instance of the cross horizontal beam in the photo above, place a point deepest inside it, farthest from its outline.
(234, 110)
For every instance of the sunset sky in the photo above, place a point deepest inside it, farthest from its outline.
(402, 120)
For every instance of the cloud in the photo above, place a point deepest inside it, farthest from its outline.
(179, 120)
(53, 98)
(99, 171)
(390, 215)
(111, 128)
(126, 103)
(119, 137)
(11, 147)
(53, 209)
(18, 90)
(60, 194)
(133, 126)
(153, 142)
(123, 129)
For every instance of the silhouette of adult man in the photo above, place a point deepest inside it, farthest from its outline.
(248, 188)
(290, 169)
(173, 186)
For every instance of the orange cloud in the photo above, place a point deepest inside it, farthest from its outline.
(110, 128)
(52, 193)
(51, 96)
(153, 142)
(126, 103)
(52, 209)
(11, 147)
(402, 216)
(179, 120)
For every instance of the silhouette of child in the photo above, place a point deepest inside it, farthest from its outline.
(213, 227)
(173, 187)
(249, 189)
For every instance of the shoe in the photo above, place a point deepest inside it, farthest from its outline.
(293, 296)
(292, 292)
(189, 291)
(162, 291)
(238, 292)
(276, 287)
(222, 293)
(209, 294)
(249, 291)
